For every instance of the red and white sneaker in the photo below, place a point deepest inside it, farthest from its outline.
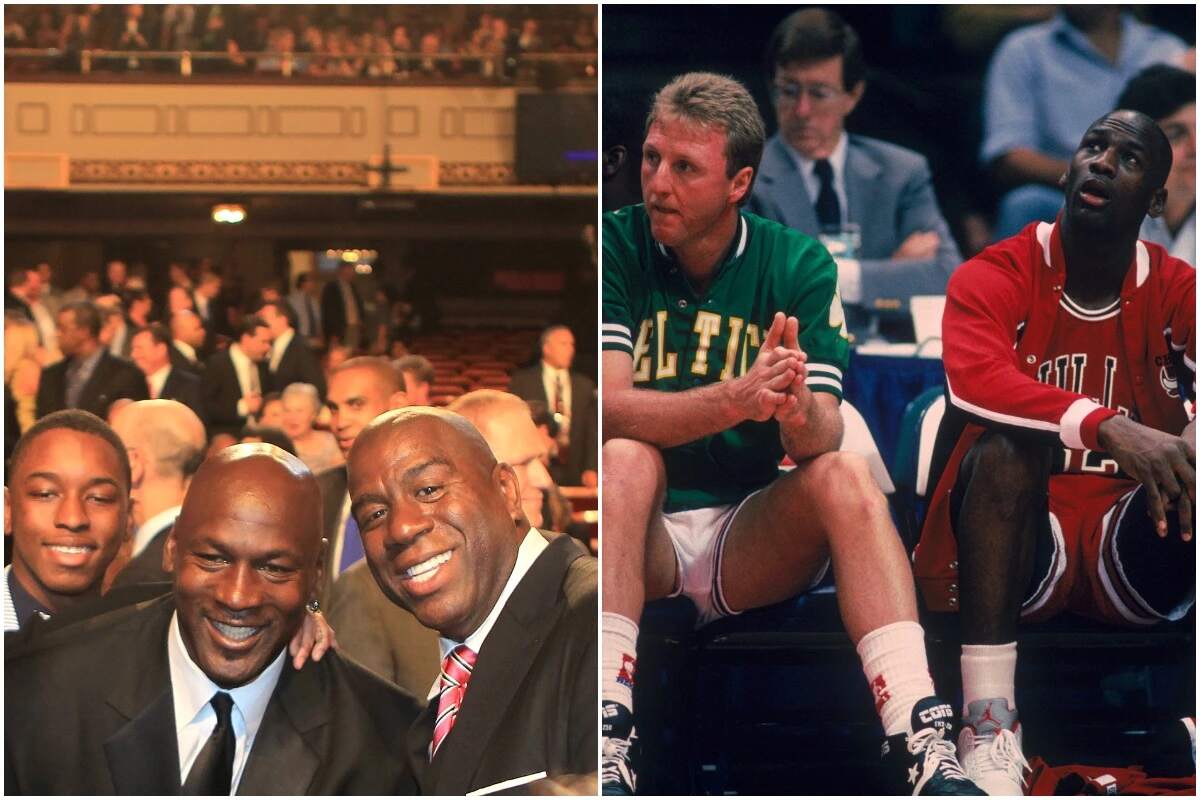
(989, 747)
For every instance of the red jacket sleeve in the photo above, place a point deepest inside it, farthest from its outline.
(988, 300)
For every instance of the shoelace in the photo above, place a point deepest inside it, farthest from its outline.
(1005, 754)
(615, 755)
(938, 751)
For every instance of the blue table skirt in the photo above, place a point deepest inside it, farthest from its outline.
(881, 386)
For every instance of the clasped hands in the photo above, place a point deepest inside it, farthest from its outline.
(774, 385)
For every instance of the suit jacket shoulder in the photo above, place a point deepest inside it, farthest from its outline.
(531, 705)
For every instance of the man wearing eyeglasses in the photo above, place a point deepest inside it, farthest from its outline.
(871, 202)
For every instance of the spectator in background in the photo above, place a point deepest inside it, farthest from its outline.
(22, 371)
(115, 331)
(402, 44)
(317, 449)
(88, 377)
(342, 310)
(1046, 83)
(234, 379)
(178, 27)
(816, 178)
(187, 341)
(571, 397)
(151, 351)
(305, 301)
(418, 376)
(141, 307)
(116, 276)
(165, 441)
(206, 302)
(88, 288)
(271, 415)
(1168, 96)
(291, 359)
(25, 296)
(179, 299)
(51, 297)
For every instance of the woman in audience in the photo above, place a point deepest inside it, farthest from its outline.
(317, 449)
(271, 415)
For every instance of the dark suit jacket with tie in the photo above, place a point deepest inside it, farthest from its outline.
(333, 311)
(890, 195)
(527, 384)
(298, 365)
(88, 710)
(180, 361)
(531, 704)
(185, 386)
(112, 379)
(222, 393)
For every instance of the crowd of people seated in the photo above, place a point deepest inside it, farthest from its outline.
(319, 41)
(255, 366)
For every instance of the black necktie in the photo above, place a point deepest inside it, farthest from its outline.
(312, 318)
(829, 213)
(212, 772)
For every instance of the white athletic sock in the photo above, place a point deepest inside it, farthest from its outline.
(988, 671)
(893, 658)
(619, 660)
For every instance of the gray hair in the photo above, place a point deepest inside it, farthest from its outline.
(306, 391)
(716, 101)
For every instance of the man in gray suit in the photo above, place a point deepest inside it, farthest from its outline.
(815, 177)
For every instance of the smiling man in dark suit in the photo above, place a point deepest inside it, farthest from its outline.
(88, 377)
(192, 692)
(445, 537)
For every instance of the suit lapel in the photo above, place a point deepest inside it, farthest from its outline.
(788, 187)
(510, 650)
(862, 171)
(143, 755)
(282, 762)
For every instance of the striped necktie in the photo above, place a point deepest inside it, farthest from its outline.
(456, 673)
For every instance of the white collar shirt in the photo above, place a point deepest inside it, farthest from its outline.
(279, 346)
(150, 528)
(531, 547)
(156, 380)
(550, 375)
(837, 160)
(188, 351)
(45, 325)
(195, 719)
(247, 370)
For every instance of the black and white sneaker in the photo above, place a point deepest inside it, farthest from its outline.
(616, 762)
(922, 761)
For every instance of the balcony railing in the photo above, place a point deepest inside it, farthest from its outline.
(418, 68)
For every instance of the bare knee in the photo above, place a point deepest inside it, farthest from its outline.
(1001, 466)
(633, 465)
(842, 490)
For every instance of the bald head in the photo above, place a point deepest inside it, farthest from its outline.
(246, 555)
(258, 484)
(164, 436)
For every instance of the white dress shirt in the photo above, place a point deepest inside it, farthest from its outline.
(148, 529)
(188, 351)
(549, 377)
(849, 270)
(195, 718)
(531, 547)
(278, 346)
(156, 380)
(247, 375)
